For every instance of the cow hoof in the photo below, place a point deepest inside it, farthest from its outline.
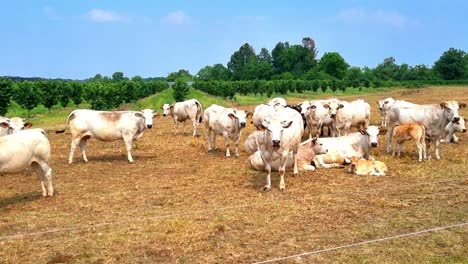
(265, 188)
(294, 175)
(228, 157)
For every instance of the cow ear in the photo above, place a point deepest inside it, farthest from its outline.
(171, 107)
(155, 115)
(326, 106)
(162, 108)
(313, 107)
(288, 124)
(260, 128)
(443, 105)
(314, 141)
(248, 114)
(461, 105)
(4, 125)
(139, 115)
(232, 116)
(382, 130)
(340, 106)
(464, 119)
(28, 125)
(363, 132)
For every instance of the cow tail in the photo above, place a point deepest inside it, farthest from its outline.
(71, 116)
(199, 111)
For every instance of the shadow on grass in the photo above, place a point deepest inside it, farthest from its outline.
(21, 198)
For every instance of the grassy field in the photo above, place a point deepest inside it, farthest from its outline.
(179, 204)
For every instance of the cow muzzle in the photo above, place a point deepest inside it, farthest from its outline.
(464, 130)
(164, 115)
(374, 144)
(333, 115)
(242, 124)
(276, 144)
(149, 126)
(456, 119)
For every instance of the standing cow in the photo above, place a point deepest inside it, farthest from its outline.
(107, 126)
(227, 122)
(348, 114)
(183, 111)
(386, 103)
(282, 134)
(434, 117)
(24, 149)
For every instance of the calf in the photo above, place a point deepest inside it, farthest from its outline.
(282, 135)
(411, 131)
(451, 128)
(367, 167)
(24, 149)
(107, 126)
(227, 122)
(346, 115)
(183, 111)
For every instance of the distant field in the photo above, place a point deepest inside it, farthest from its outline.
(179, 204)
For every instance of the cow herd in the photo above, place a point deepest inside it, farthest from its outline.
(275, 145)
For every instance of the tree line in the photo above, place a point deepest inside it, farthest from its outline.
(100, 92)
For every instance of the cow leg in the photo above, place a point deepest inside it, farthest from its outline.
(227, 140)
(437, 144)
(394, 149)
(83, 142)
(208, 138)
(183, 127)
(75, 142)
(128, 145)
(296, 171)
(236, 146)
(389, 139)
(267, 162)
(420, 150)
(214, 140)
(176, 127)
(282, 170)
(195, 126)
(44, 173)
(428, 149)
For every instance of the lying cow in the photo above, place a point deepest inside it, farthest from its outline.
(252, 142)
(282, 134)
(348, 114)
(227, 122)
(367, 167)
(183, 111)
(24, 149)
(407, 132)
(305, 154)
(451, 128)
(107, 126)
(434, 117)
(354, 144)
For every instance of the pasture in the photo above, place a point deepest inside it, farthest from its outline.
(179, 204)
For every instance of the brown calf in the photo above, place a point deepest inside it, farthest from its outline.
(407, 132)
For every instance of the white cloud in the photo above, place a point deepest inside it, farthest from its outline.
(361, 15)
(50, 13)
(100, 15)
(177, 18)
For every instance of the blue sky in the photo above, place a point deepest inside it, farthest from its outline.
(77, 39)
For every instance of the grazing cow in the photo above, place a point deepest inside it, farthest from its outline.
(452, 127)
(305, 154)
(107, 126)
(386, 103)
(252, 141)
(348, 114)
(354, 144)
(367, 167)
(411, 131)
(434, 117)
(183, 111)
(282, 135)
(227, 122)
(318, 117)
(24, 149)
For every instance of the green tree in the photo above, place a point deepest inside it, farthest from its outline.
(180, 90)
(118, 76)
(76, 92)
(64, 94)
(50, 93)
(333, 64)
(239, 60)
(5, 95)
(387, 70)
(451, 65)
(27, 95)
(181, 74)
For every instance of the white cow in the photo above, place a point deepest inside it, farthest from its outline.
(348, 114)
(261, 112)
(357, 144)
(227, 122)
(305, 154)
(278, 101)
(318, 117)
(252, 142)
(452, 127)
(386, 103)
(24, 149)
(183, 111)
(107, 126)
(282, 134)
(15, 124)
(434, 117)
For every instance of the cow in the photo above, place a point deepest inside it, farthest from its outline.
(348, 114)
(278, 101)
(183, 111)
(24, 149)
(318, 117)
(107, 126)
(434, 117)
(282, 134)
(367, 167)
(452, 127)
(386, 103)
(411, 131)
(261, 112)
(227, 122)
(252, 141)
(15, 124)
(354, 144)
(305, 154)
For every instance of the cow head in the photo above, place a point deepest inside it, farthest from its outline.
(451, 110)
(240, 117)
(274, 130)
(149, 114)
(17, 124)
(373, 132)
(317, 147)
(384, 103)
(459, 125)
(167, 109)
(333, 108)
